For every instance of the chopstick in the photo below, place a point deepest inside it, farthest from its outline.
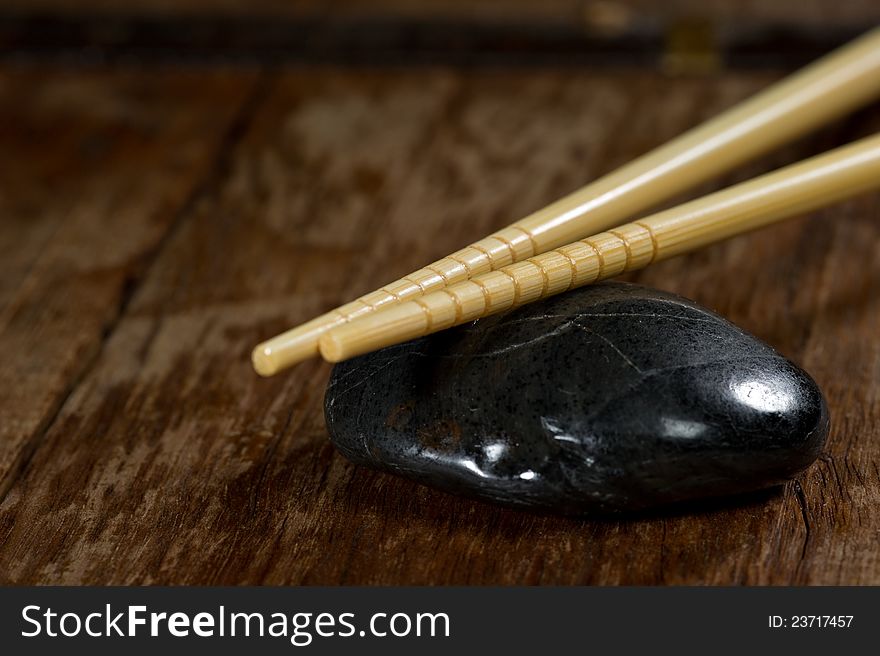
(789, 191)
(830, 87)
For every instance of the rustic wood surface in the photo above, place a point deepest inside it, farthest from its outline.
(156, 224)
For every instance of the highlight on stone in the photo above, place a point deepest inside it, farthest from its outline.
(612, 398)
(471, 375)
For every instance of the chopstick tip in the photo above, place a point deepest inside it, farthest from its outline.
(332, 350)
(286, 350)
(263, 361)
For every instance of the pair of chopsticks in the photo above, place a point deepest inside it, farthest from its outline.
(563, 246)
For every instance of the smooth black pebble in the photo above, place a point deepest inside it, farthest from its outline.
(614, 397)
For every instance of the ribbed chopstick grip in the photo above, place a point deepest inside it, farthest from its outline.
(830, 87)
(789, 191)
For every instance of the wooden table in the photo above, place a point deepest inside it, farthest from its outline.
(157, 220)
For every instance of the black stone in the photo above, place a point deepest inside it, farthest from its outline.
(610, 398)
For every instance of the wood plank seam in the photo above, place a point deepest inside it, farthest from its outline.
(234, 133)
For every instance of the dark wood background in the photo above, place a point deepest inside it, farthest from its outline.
(163, 209)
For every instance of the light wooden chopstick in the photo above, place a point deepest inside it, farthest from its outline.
(789, 191)
(832, 86)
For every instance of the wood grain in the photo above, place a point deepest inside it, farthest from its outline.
(811, 184)
(831, 88)
(169, 461)
(96, 170)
